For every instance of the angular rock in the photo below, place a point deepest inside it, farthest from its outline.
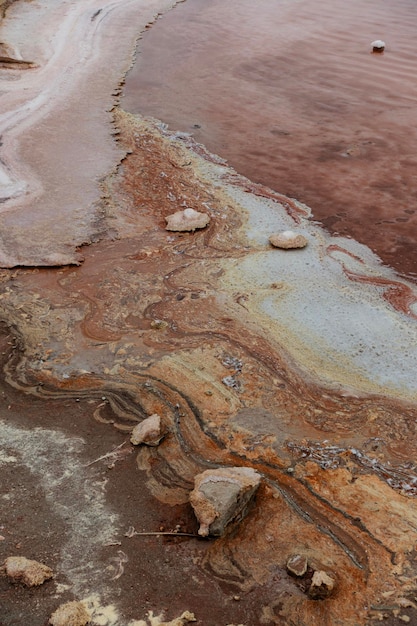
(30, 573)
(70, 614)
(221, 496)
(297, 565)
(148, 432)
(287, 240)
(187, 220)
(322, 585)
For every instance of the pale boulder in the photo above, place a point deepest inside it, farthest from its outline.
(70, 614)
(148, 432)
(287, 240)
(30, 573)
(221, 496)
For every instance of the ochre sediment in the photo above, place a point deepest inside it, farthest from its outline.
(298, 364)
(148, 323)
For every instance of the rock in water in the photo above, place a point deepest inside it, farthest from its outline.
(378, 45)
(221, 496)
(70, 614)
(187, 220)
(287, 240)
(30, 573)
(148, 432)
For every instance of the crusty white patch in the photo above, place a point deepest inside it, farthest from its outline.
(74, 493)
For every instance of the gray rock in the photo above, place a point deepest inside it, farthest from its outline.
(221, 496)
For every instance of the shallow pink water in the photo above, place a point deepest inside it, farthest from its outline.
(290, 93)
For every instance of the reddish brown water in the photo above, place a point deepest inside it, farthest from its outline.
(289, 92)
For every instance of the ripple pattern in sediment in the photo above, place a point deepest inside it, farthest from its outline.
(291, 94)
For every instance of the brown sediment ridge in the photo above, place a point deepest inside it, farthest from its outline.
(216, 332)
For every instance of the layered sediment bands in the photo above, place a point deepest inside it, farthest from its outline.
(284, 361)
(56, 145)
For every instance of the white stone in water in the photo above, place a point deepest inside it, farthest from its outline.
(148, 432)
(221, 496)
(287, 240)
(187, 220)
(30, 573)
(378, 45)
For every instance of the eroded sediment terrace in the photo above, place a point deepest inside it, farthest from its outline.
(297, 363)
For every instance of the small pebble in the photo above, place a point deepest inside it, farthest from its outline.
(378, 45)
(297, 565)
(322, 585)
(159, 324)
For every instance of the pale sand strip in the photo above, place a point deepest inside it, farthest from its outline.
(56, 122)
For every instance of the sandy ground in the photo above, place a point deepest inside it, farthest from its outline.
(297, 363)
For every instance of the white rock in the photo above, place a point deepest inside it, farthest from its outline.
(187, 220)
(221, 496)
(378, 45)
(148, 432)
(287, 239)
